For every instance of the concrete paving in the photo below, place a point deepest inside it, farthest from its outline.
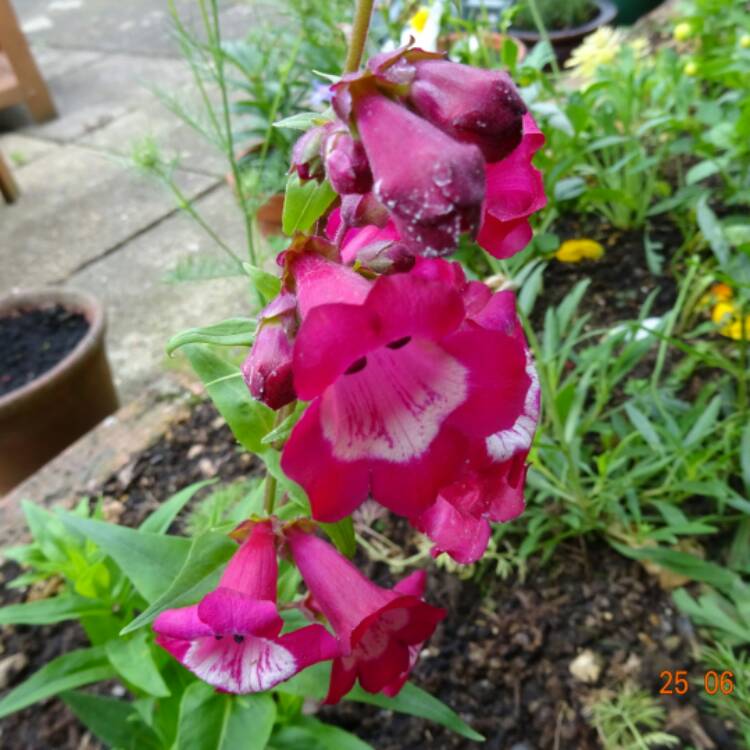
(86, 218)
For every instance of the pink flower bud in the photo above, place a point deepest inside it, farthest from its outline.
(346, 164)
(306, 153)
(433, 185)
(473, 105)
(268, 367)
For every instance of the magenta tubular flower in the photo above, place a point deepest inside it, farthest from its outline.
(381, 631)
(432, 185)
(401, 385)
(515, 190)
(231, 639)
(490, 484)
(346, 163)
(267, 370)
(472, 105)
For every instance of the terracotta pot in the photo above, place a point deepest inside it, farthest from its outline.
(566, 40)
(269, 216)
(494, 41)
(43, 417)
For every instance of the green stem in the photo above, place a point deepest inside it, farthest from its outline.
(542, 29)
(360, 27)
(269, 494)
(214, 31)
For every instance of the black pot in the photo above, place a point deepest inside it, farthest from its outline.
(566, 40)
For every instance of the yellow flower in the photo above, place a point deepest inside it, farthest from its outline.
(682, 31)
(690, 69)
(574, 251)
(745, 41)
(601, 48)
(727, 315)
(419, 20)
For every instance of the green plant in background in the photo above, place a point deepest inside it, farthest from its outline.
(554, 15)
(630, 720)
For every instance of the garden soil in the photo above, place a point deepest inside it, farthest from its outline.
(34, 341)
(501, 658)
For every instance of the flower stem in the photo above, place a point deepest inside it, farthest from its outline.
(360, 26)
(542, 29)
(269, 494)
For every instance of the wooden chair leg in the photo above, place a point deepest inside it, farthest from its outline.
(15, 46)
(8, 186)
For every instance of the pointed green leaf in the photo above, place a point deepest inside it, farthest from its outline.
(307, 733)
(150, 561)
(341, 534)
(231, 332)
(305, 203)
(198, 575)
(161, 519)
(47, 611)
(114, 722)
(248, 419)
(67, 672)
(133, 660)
(266, 284)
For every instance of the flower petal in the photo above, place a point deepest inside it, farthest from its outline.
(343, 676)
(230, 612)
(183, 623)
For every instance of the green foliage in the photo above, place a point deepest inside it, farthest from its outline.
(554, 15)
(630, 720)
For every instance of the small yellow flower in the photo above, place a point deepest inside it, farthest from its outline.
(602, 48)
(745, 41)
(682, 31)
(722, 291)
(727, 315)
(574, 251)
(419, 20)
(690, 69)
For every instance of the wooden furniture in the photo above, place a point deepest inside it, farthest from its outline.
(8, 187)
(20, 80)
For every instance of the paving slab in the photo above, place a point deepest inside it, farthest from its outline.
(177, 141)
(22, 150)
(144, 310)
(136, 26)
(77, 205)
(93, 96)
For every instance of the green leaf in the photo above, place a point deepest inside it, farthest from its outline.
(307, 733)
(67, 672)
(745, 457)
(705, 422)
(282, 432)
(643, 425)
(313, 683)
(301, 121)
(341, 534)
(150, 561)
(202, 267)
(248, 419)
(114, 722)
(47, 611)
(134, 661)
(304, 204)
(217, 721)
(266, 284)
(230, 332)
(198, 575)
(711, 227)
(417, 702)
(161, 519)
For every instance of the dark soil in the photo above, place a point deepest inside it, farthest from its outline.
(502, 658)
(620, 281)
(34, 341)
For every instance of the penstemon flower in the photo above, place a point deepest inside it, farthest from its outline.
(381, 631)
(404, 374)
(231, 638)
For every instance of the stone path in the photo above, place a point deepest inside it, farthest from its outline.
(86, 218)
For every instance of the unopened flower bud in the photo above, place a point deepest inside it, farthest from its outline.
(432, 185)
(306, 153)
(473, 105)
(268, 367)
(346, 164)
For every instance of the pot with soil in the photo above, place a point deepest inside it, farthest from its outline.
(55, 381)
(567, 23)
